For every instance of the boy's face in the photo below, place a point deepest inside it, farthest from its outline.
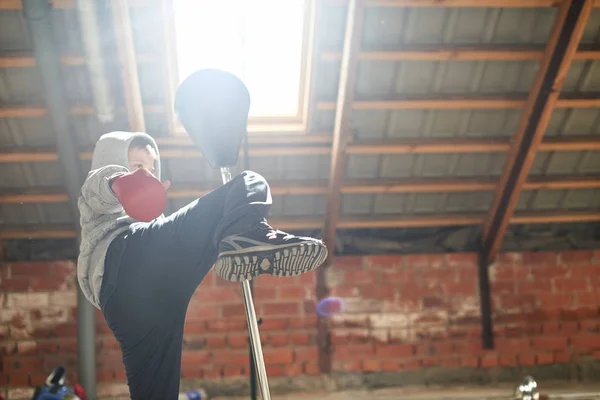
(142, 158)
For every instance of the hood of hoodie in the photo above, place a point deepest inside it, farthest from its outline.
(113, 149)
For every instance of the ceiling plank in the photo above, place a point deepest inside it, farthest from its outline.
(128, 65)
(320, 187)
(543, 97)
(364, 147)
(302, 223)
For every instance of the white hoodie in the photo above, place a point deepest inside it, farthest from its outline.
(101, 215)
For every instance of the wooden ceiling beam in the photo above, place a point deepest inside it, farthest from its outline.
(432, 103)
(313, 223)
(351, 186)
(543, 98)
(430, 53)
(361, 147)
(128, 65)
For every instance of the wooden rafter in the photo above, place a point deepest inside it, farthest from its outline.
(543, 98)
(388, 221)
(352, 186)
(127, 60)
(341, 134)
(16, 4)
(389, 146)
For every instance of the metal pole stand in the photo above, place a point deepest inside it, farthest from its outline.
(256, 345)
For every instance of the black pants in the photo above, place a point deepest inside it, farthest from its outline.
(152, 271)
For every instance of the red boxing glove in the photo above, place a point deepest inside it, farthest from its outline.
(142, 196)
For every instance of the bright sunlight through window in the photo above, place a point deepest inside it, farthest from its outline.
(259, 40)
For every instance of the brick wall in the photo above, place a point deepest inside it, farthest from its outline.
(402, 313)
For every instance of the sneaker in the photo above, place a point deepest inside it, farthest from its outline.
(264, 250)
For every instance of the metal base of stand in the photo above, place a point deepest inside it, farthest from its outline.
(257, 352)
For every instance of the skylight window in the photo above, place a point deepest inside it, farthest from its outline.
(261, 41)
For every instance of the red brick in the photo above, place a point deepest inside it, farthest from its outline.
(312, 369)
(237, 341)
(410, 364)
(489, 360)
(461, 259)
(549, 343)
(281, 308)
(191, 371)
(233, 371)
(306, 353)
(424, 261)
(215, 342)
(348, 263)
(460, 288)
(274, 324)
(545, 358)
(585, 341)
(469, 361)
(578, 256)
(562, 357)
(347, 365)
(394, 277)
(18, 284)
(360, 277)
(278, 356)
(355, 351)
(194, 327)
(31, 268)
(261, 292)
(433, 302)
(451, 362)
(570, 285)
(532, 287)
(47, 284)
(510, 258)
(278, 340)
(233, 310)
(543, 257)
(293, 370)
(384, 260)
(503, 288)
(21, 364)
(19, 379)
(556, 300)
(300, 339)
(512, 346)
(385, 292)
(307, 322)
(569, 327)
(508, 360)
(293, 292)
(105, 376)
(233, 358)
(37, 379)
(394, 351)
(587, 299)
(589, 325)
(371, 365)
(202, 312)
(212, 372)
(433, 276)
(443, 348)
(526, 359)
(550, 327)
(226, 325)
(390, 365)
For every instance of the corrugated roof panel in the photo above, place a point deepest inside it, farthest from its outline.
(356, 204)
(152, 83)
(583, 77)
(14, 34)
(574, 121)
(391, 27)
(566, 163)
(299, 167)
(33, 132)
(412, 124)
(300, 206)
(24, 175)
(20, 85)
(424, 165)
(590, 33)
(65, 23)
(563, 199)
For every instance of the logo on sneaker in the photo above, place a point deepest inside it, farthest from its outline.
(265, 264)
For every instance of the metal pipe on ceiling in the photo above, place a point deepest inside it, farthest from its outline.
(91, 36)
(37, 13)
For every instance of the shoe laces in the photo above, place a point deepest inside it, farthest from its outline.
(273, 233)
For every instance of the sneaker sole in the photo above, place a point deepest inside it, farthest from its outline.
(282, 260)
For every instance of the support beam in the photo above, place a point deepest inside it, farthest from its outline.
(341, 134)
(127, 60)
(460, 53)
(382, 147)
(320, 187)
(543, 98)
(413, 103)
(366, 222)
(565, 37)
(37, 13)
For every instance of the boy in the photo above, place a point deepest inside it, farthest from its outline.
(143, 274)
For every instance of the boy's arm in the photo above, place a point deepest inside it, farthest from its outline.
(96, 190)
